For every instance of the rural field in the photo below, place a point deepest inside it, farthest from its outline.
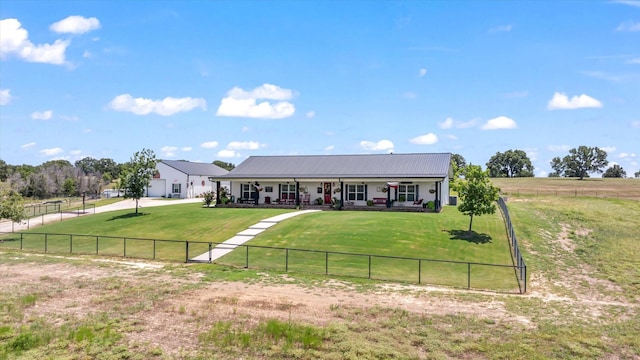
(583, 299)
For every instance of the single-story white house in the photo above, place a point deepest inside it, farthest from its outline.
(348, 180)
(184, 179)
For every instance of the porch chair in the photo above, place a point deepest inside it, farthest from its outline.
(306, 199)
(417, 202)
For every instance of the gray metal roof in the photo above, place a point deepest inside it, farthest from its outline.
(195, 168)
(388, 166)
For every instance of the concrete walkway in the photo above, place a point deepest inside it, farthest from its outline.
(246, 235)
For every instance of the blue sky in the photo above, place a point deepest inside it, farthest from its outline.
(224, 80)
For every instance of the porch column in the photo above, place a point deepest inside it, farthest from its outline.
(217, 192)
(341, 194)
(388, 196)
(297, 193)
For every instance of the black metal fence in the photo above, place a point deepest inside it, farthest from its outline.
(518, 260)
(53, 212)
(393, 268)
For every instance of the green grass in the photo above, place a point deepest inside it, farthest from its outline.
(563, 317)
(389, 236)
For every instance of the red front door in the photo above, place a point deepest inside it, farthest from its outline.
(327, 193)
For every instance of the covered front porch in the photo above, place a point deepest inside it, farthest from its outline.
(417, 194)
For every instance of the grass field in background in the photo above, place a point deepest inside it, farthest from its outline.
(567, 187)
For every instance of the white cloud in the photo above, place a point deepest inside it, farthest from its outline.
(228, 154)
(516, 94)
(635, 3)
(168, 151)
(165, 107)
(241, 103)
(246, 145)
(209, 144)
(629, 26)
(501, 122)
(422, 72)
(329, 148)
(75, 152)
(75, 25)
(559, 147)
(5, 97)
(625, 155)
(28, 145)
(42, 115)
(382, 145)
(87, 54)
(542, 173)
(451, 137)
(561, 101)
(15, 41)
(186, 148)
(310, 114)
(501, 28)
(608, 149)
(51, 151)
(245, 129)
(633, 61)
(449, 123)
(426, 139)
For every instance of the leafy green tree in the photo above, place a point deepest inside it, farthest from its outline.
(581, 162)
(224, 165)
(458, 163)
(511, 163)
(11, 204)
(138, 175)
(637, 174)
(616, 171)
(4, 170)
(69, 187)
(477, 193)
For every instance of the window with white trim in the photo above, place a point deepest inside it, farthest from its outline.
(288, 191)
(410, 192)
(248, 191)
(356, 192)
(176, 188)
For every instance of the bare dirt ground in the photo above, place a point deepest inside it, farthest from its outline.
(168, 309)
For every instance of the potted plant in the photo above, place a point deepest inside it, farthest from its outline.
(402, 198)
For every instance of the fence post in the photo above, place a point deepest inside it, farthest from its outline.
(247, 258)
(186, 252)
(97, 245)
(326, 263)
(70, 243)
(525, 279)
(124, 249)
(154, 249)
(286, 260)
(21, 235)
(369, 267)
(419, 271)
(468, 275)
(210, 250)
(45, 242)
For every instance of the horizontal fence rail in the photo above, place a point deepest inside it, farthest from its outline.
(380, 267)
(518, 260)
(631, 194)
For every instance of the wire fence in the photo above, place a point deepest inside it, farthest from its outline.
(51, 213)
(631, 194)
(518, 261)
(470, 275)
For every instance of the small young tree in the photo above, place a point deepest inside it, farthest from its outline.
(138, 175)
(477, 193)
(208, 197)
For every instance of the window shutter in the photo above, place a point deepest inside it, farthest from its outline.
(417, 194)
(365, 192)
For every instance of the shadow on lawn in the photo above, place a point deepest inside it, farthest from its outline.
(470, 236)
(127, 216)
